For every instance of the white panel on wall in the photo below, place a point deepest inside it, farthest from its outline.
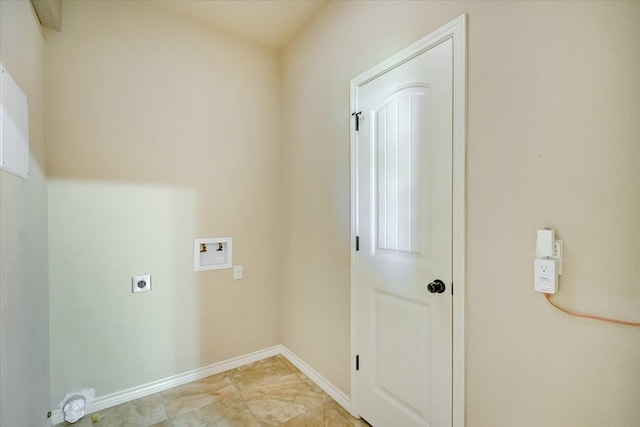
(399, 134)
(14, 127)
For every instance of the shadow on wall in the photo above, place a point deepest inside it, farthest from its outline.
(101, 235)
(159, 131)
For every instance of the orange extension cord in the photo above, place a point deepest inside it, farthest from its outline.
(589, 316)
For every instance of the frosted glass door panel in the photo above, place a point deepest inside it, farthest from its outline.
(399, 140)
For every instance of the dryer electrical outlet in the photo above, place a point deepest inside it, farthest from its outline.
(141, 284)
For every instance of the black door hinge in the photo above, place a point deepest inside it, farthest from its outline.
(357, 116)
(451, 288)
(357, 243)
(357, 362)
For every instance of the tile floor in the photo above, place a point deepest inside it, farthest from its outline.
(270, 392)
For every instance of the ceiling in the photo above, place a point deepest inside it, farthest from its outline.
(268, 22)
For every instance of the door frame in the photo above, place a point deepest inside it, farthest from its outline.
(455, 30)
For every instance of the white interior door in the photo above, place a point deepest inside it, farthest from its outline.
(403, 219)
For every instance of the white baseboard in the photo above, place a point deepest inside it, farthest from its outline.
(335, 393)
(119, 397)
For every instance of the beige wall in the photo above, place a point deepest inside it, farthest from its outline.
(24, 310)
(159, 132)
(553, 139)
(177, 136)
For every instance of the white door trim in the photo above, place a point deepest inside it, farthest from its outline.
(455, 30)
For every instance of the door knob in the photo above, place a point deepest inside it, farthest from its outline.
(436, 287)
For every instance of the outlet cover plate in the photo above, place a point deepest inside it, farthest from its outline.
(238, 272)
(141, 284)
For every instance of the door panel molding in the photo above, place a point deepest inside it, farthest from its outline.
(456, 31)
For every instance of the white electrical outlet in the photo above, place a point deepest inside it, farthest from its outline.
(558, 251)
(545, 275)
(141, 284)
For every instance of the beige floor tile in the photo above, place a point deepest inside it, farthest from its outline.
(188, 397)
(333, 406)
(270, 392)
(326, 415)
(313, 418)
(282, 399)
(263, 371)
(218, 414)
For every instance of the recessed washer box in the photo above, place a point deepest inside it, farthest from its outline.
(212, 253)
